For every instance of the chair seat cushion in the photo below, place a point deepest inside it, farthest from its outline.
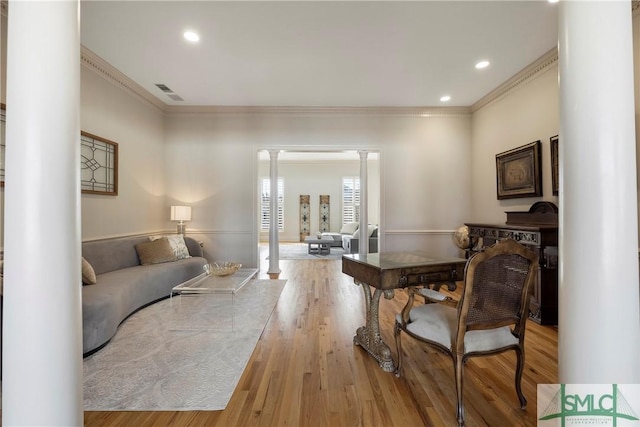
(438, 323)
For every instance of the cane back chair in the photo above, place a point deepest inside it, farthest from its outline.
(489, 317)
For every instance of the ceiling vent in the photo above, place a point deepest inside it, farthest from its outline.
(171, 94)
(163, 88)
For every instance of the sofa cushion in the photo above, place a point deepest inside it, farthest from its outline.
(155, 252)
(106, 255)
(372, 230)
(88, 274)
(349, 228)
(177, 245)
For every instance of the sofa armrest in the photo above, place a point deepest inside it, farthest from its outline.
(194, 247)
(351, 244)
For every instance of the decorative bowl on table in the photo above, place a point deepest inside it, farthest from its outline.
(221, 268)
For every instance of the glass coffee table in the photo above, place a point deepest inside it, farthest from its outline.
(203, 303)
(209, 284)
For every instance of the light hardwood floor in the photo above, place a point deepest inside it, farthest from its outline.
(305, 370)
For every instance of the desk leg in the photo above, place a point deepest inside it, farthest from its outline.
(368, 336)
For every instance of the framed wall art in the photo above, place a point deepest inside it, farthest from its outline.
(518, 172)
(555, 171)
(324, 213)
(305, 216)
(98, 165)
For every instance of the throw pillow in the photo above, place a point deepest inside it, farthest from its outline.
(177, 243)
(373, 230)
(88, 274)
(155, 251)
(349, 228)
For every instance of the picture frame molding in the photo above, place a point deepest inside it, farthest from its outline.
(523, 164)
(555, 169)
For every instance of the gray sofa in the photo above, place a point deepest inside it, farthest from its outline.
(347, 230)
(351, 243)
(348, 237)
(337, 238)
(124, 286)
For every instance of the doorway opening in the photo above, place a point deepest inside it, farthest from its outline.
(313, 184)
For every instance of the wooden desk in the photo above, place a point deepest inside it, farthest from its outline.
(540, 238)
(386, 272)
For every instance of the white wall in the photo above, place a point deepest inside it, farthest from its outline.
(315, 178)
(424, 172)
(117, 115)
(528, 113)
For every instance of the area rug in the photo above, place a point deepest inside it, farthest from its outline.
(184, 353)
(300, 251)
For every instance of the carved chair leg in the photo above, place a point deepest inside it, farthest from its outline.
(458, 365)
(396, 334)
(518, 378)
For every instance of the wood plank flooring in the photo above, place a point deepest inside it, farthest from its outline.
(305, 370)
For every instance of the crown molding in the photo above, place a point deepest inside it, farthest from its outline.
(95, 63)
(90, 60)
(309, 110)
(530, 72)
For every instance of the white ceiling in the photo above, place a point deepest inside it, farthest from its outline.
(323, 53)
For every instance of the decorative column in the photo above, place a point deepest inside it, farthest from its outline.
(42, 330)
(274, 255)
(599, 326)
(363, 247)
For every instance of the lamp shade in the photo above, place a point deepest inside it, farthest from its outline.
(180, 213)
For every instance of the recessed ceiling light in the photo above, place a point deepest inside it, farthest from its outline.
(482, 64)
(191, 36)
(445, 98)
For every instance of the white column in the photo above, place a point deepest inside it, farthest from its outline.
(363, 247)
(599, 321)
(274, 255)
(42, 330)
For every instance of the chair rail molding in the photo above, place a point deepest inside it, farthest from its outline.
(418, 232)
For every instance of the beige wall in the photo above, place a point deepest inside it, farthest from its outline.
(3, 58)
(424, 172)
(636, 79)
(117, 115)
(528, 113)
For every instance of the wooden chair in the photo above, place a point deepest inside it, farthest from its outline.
(489, 318)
